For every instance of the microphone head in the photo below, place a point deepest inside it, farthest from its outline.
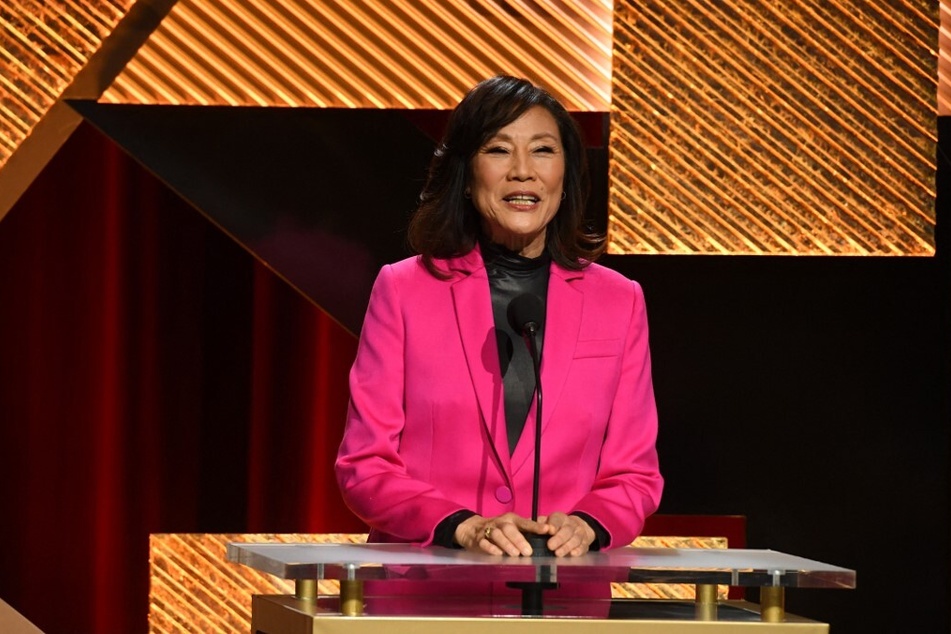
(526, 313)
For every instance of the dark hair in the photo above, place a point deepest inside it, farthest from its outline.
(446, 223)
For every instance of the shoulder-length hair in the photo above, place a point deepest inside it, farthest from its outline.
(446, 223)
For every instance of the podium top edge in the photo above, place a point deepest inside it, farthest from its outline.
(735, 567)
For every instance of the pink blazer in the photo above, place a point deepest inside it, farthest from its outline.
(426, 435)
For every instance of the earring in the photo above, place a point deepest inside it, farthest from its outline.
(564, 194)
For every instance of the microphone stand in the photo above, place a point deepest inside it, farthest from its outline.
(539, 543)
(532, 604)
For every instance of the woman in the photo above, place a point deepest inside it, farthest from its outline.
(436, 449)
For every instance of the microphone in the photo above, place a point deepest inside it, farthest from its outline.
(526, 314)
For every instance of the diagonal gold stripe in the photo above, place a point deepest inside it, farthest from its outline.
(42, 47)
(395, 54)
(193, 588)
(49, 52)
(944, 59)
(782, 127)
(751, 132)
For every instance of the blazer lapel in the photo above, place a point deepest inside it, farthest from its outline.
(564, 306)
(476, 324)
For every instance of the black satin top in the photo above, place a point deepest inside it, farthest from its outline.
(511, 275)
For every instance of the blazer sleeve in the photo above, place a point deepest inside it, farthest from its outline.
(373, 478)
(628, 484)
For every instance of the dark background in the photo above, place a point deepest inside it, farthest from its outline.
(157, 377)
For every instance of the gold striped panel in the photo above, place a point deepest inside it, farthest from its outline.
(193, 588)
(795, 127)
(43, 46)
(682, 591)
(392, 54)
(944, 60)
(787, 127)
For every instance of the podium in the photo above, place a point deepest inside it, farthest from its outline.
(373, 578)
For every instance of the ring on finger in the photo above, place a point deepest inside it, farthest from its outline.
(488, 533)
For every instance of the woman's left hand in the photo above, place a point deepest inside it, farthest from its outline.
(573, 536)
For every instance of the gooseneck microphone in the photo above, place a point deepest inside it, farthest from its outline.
(526, 315)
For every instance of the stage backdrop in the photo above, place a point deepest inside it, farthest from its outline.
(153, 378)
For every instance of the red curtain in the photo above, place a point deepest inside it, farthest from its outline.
(153, 378)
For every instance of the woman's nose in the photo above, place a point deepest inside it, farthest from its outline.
(521, 168)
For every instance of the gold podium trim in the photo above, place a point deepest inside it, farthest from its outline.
(194, 588)
(284, 615)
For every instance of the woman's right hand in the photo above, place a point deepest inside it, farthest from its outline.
(500, 535)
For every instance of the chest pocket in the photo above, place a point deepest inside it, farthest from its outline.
(597, 348)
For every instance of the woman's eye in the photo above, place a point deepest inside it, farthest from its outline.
(545, 149)
(496, 149)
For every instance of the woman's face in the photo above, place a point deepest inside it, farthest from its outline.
(517, 179)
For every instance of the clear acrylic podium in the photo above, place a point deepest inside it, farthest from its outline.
(368, 572)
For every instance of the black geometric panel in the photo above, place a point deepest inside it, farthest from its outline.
(321, 196)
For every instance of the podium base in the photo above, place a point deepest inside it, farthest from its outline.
(283, 614)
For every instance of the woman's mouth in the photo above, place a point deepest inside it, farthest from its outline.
(522, 200)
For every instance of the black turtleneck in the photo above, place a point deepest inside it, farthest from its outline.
(511, 275)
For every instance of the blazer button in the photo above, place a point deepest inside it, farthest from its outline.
(503, 494)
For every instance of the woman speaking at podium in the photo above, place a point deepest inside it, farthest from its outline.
(439, 446)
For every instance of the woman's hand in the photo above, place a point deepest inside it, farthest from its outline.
(571, 535)
(500, 535)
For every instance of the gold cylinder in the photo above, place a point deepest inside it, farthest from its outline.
(772, 603)
(351, 597)
(305, 589)
(706, 602)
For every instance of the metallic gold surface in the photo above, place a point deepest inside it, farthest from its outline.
(351, 597)
(944, 60)
(193, 588)
(794, 127)
(772, 600)
(305, 589)
(43, 46)
(284, 615)
(383, 54)
(706, 604)
(788, 127)
(706, 593)
(706, 600)
(12, 622)
(683, 591)
(52, 51)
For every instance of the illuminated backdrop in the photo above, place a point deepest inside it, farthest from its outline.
(394, 54)
(788, 127)
(43, 46)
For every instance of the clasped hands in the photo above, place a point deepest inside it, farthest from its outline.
(571, 536)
